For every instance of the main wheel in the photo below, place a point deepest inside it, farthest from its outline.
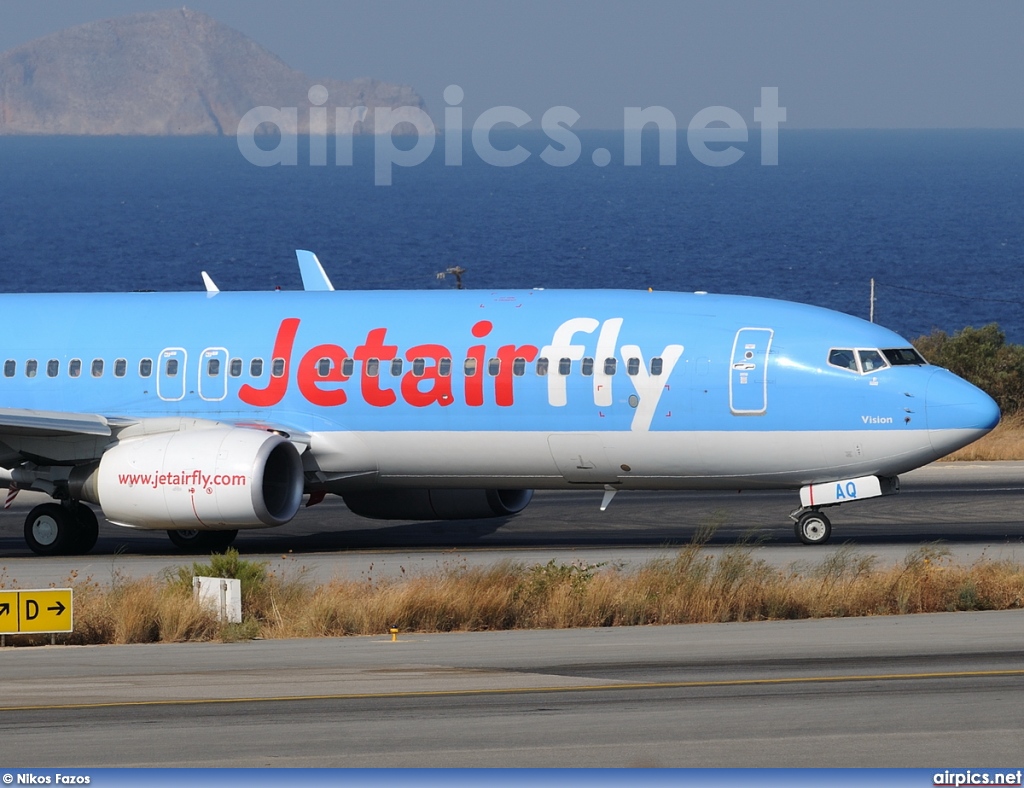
(49, 529)
(219, 541)
(88, 530)
(216, 541)
(813, 528)
(186, 540)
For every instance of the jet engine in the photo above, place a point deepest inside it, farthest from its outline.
(439, 504)
(219, 478)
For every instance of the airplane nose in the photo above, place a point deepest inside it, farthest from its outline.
(958, 412)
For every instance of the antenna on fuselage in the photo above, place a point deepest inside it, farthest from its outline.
(210, 286)
(457, 271)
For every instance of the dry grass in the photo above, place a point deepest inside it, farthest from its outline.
(1005, 442)
(138, 611)
(695, 586)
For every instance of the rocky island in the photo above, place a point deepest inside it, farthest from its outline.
(177, 72)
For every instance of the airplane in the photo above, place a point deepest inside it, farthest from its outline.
(202, 413)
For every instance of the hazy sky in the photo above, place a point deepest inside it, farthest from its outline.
(858, 64)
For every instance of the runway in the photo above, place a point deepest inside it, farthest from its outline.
(937, 690)
(928, 691)
(974, 509)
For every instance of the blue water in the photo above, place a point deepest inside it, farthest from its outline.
(936, 217)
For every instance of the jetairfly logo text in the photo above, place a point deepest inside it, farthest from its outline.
(324, 368)
(194, 478)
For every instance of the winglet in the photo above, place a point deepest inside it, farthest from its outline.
(210, 286)
(313, 276)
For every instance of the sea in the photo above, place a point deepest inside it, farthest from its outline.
(935, 218)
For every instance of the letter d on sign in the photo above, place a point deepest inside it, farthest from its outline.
(31, 609)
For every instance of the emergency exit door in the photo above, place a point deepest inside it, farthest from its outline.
(170, 374)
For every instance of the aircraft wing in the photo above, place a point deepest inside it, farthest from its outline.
(298, 437)
(46, 423)
(52, 424)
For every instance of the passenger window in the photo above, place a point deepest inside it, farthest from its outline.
(277, 370)
(444, 367)
(418, 365)
(564, 366)
(519, 367)
(542, 366)
(323, 367)
(396, 367)
(493, 367)
(9, 368)
(120, 367)
(842, 358)
(656, 366)
(235, 370)
(347, 367)
(870, 360)
(145, 368)
(372, 367)
(52, 368)
(256, 368)
(633, 366)
(97, 367)
(171, 368)
(31, 366)
(609, 365)
(469, 368)
(587, 367)
(212, 368)
(75, 367)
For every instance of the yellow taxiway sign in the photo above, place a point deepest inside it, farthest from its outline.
(38, 610)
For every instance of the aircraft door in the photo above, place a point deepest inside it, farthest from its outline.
(170, 374)
(213, 374)
(748, 374)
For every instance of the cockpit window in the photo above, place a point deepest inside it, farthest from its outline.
(867, 360)
(843, 358)
(903, 356)
(870, 360)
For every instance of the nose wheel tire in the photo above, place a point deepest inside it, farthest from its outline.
(813, 528)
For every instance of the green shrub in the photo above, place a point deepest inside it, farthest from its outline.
(252, 574)
(981, 356)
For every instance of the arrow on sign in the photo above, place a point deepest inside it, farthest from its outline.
(58, 608)
(5, 608)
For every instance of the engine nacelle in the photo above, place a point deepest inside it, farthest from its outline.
(220, 478)
(440, 504)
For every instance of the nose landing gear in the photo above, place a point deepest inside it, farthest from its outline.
(812, 527)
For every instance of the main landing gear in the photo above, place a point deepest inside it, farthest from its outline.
(71, 528)
(68, 528)
(203, 541)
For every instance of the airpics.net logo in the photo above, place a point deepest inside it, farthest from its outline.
(712, 134)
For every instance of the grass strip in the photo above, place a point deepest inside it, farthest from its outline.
(693, 586)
